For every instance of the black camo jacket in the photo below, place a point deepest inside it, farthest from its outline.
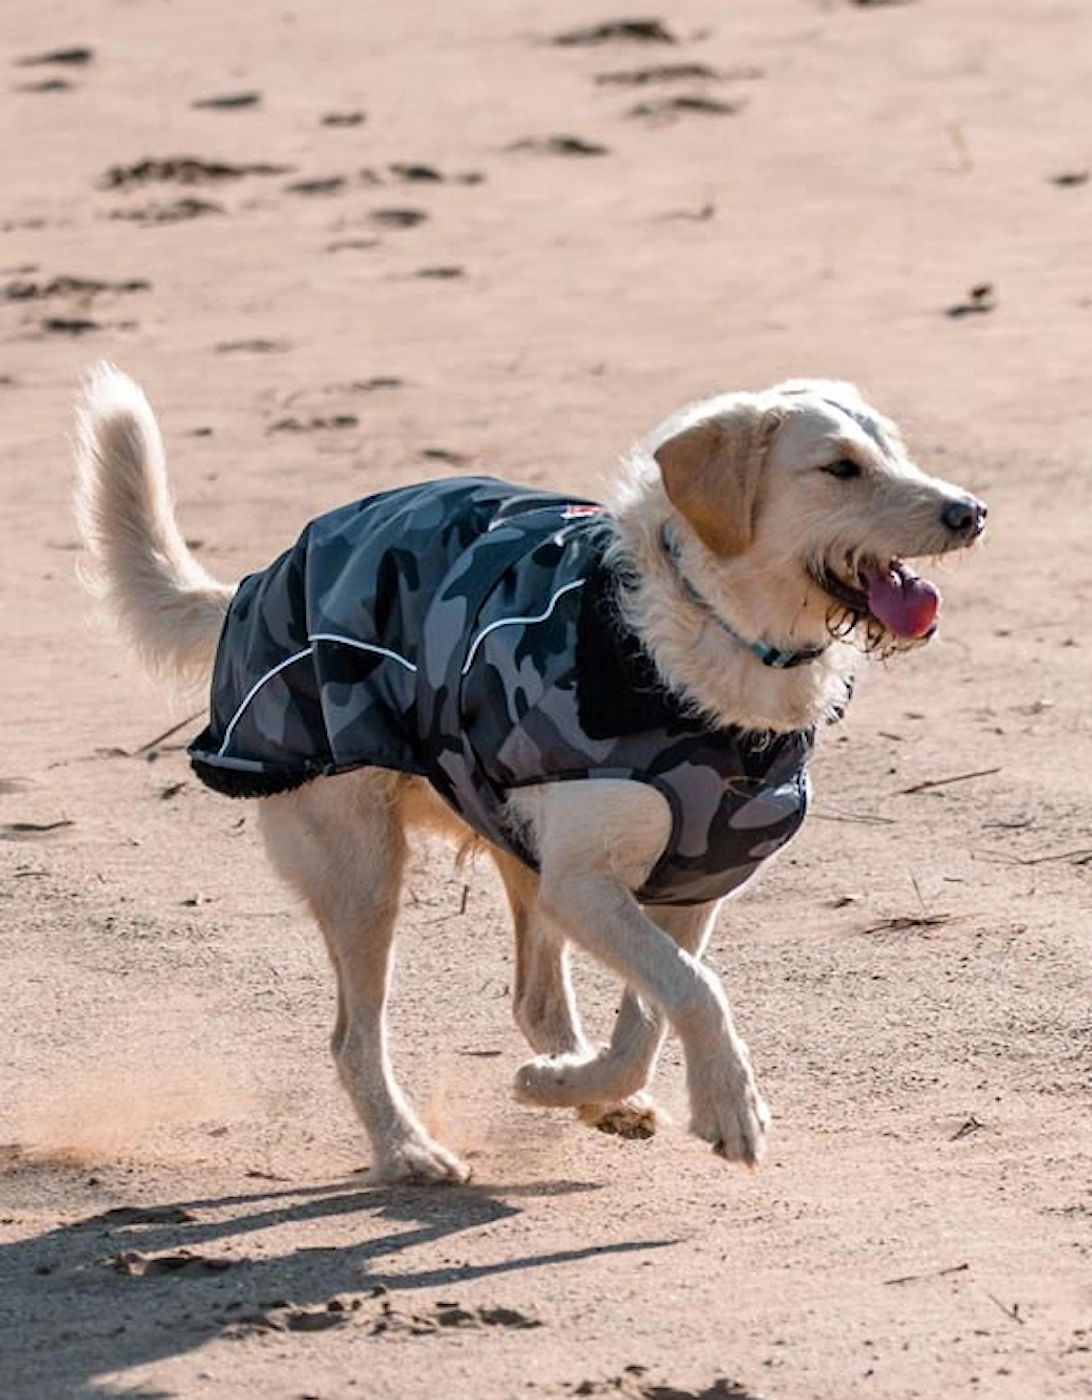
(463, 630)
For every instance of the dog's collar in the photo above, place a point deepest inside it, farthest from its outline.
(779, 658)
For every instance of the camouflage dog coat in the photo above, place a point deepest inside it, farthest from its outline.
(466, 631)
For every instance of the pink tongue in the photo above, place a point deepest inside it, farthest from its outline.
(905, 604)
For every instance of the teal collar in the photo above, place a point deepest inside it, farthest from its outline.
(779, 658)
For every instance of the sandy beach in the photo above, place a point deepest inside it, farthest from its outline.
(347, 247)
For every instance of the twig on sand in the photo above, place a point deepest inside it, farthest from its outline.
(930, 1273)
(1013, 1312)
(167, 734)
(1079, 855)
(943, 782)
(972, 1125)
(834, 814)
(37, 828)
(903, 923)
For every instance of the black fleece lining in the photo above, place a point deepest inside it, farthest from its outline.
(618, 689)
(234, 782)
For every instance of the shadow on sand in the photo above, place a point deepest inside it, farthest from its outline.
(136, 1284)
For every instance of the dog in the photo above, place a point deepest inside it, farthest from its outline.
(619, 702)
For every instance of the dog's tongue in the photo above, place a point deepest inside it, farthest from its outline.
(905, 604)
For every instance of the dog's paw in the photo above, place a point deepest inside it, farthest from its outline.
(635, 1117)
(734, 1121)
(552, 1081)
(418, 1161)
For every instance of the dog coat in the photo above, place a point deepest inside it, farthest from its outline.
(466, 631)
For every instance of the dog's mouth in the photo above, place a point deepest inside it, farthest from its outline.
(903, 603)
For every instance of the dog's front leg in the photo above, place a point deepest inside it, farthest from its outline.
(597, 843)
(611, 1087)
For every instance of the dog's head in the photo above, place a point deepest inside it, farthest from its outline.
(816, 490)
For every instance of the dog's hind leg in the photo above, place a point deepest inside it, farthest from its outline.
(542, 996)
(340, 842)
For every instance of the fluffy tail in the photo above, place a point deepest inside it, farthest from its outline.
(167, 606)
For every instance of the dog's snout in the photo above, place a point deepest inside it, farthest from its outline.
(965, 517)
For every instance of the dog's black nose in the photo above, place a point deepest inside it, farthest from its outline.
(965, 517)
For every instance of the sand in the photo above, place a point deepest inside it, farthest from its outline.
(416, 240)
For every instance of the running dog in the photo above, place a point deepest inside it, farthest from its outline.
(619, 701)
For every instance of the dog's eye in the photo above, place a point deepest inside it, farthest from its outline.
(845, 469)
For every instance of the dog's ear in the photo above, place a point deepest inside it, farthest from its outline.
(711, 473)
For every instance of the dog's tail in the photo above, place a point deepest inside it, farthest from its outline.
(141, 568)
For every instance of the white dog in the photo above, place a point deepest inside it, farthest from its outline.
(620, 702)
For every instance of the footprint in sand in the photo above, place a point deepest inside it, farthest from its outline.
(172, 212)
(440, 274)
(641, 31)
(448, 1314)
(184, 170)
(321, 185)
(677, 73)
(80, 292)
(75, 56)
(34, 831)
(443, 454)
(378, 381)
(46, 85)
(184, 1262)
(331, 422)
(70, 325)
(83, 287)
(229, 102)
(252, 347)
(398, 218)
(344, 119)
(558, 146)
(416, 173)
(631, 1385)
(341, 245)
(420, 173)
(669, 109)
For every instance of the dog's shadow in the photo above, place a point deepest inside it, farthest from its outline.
(132, 1286)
